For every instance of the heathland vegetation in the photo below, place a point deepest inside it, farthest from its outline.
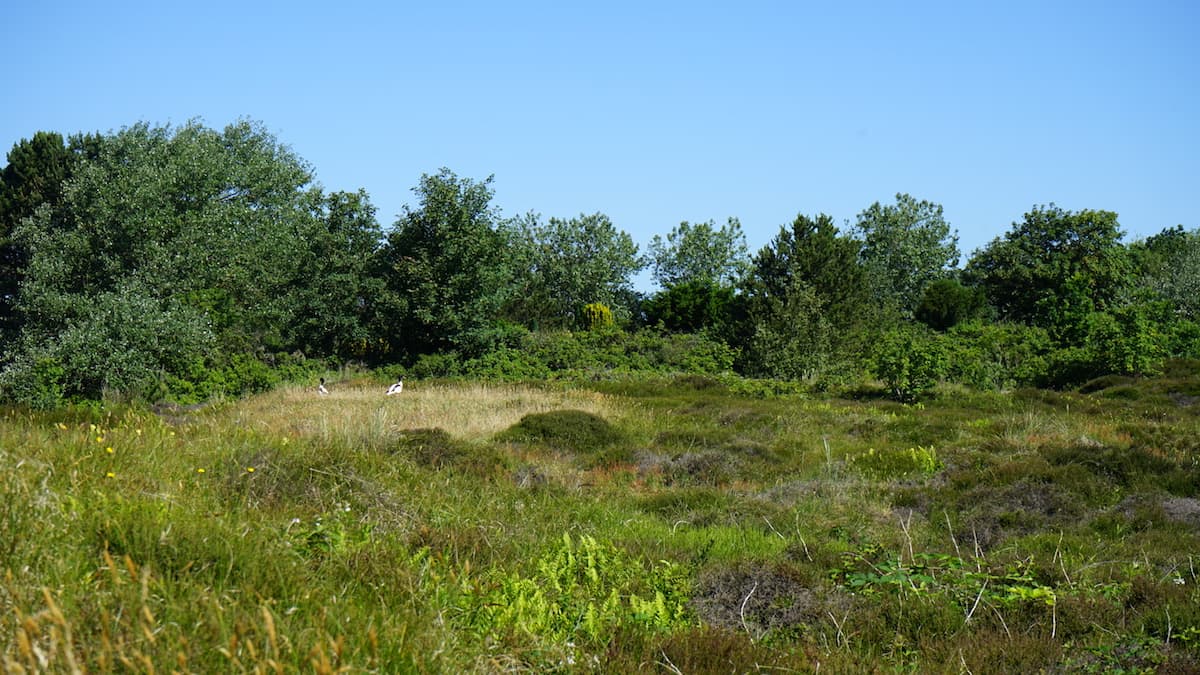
(842, 452)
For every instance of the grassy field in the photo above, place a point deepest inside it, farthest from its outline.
(676, 525)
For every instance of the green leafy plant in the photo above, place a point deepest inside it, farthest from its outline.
(582, 590)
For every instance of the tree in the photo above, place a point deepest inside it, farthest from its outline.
(35, 176)
(334, 290)
(700, 253)
(805, 295)
(1054, 268)
(812, 251)
(692, 306)
(446, 265)
(1169, 267)
(905, 246)
(566, 264)
(946, 302)
(171, 246)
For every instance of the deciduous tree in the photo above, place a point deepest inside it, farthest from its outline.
(446, 264)
(566, 264)
(905, 246)
(700, 253)
(1054, 268)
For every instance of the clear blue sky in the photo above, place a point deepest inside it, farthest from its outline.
(655, 113)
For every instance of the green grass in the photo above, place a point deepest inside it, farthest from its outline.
(640, 524)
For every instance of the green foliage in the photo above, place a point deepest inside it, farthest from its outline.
(582, 590)
(890, 464)
(168, 243)
(791, 338)
(1054, 267)
(700, 254)
(872, 572)
(572, 430)
(446, 265)
(812, 254)
(988, 355)
(564, 264)
(35, 178)
(805, 295)
(567, 353)
(506, 363)
(1128, 341)
(1169, 264)
(946, 303)
(597, 316)
(440, 364)
(910, 362)
(335, 294)
(906, 246)
(691, 307)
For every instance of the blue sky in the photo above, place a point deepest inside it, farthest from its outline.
(655, 113)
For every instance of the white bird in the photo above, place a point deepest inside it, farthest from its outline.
(321, 388)
(396, 388)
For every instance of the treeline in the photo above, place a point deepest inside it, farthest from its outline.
(182, 262)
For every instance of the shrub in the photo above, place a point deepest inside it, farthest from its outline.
(507, 364)
(597, 316)
(888, 464)
(997, 355)
(910, 362)
(571, 430)
(441, 364)
(946, 302)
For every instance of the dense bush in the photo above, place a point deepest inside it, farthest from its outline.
(910, 362)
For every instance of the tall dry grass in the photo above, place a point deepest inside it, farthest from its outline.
(357, 412)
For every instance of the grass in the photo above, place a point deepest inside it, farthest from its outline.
(639, 524)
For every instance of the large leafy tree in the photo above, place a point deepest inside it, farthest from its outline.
(805, 295)
(905, 246)
(172, 245)
(1054, 268)
(334, 290)
(700, 253)
(35, 177)
(446, 264)
(1168, 265)
(566, 264)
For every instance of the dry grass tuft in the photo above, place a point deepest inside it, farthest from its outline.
(358, 413)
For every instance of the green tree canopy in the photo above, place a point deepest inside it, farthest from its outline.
(335, 291)
(1053, 268)
(35, 177)
(700, 253)
(805, 294)
(168, 243)
(1169, 267)
(566, 264)
(905, 246)
(446, 264)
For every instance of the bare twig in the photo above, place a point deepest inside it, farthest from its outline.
(912, 557)
(670, 666)
(742, 612)
(773, 529)
(804, 544)
(977, 599)
(951, 530)
(841, 635)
